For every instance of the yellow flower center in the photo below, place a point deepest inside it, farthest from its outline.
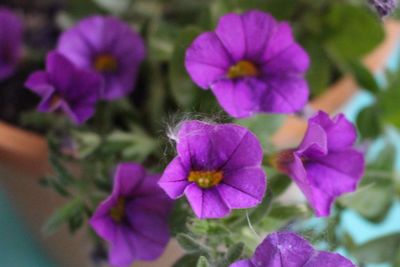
(206, 179)
(117, 212)
(243, 68)
(105, 63)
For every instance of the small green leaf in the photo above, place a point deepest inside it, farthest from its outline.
(189, 244)
(369, 122)
(279, 183)
(234, 252)
(383, 249)
(363, 76)
(187, 260)
(202, 262)
(63, 175)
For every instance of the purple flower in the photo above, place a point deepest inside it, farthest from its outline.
(10, 42)
(108, 46)
(252, 64)
(218, 168)
(384, 7)
(285, 249)
(325, 165)
(134, 218)
(63, 87)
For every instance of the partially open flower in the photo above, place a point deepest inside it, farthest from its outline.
(108, 46)
(252, 64)
(325, 165)
(218, 168)
(65, 88)
(134, 218)
(285, 249)
(10, 42)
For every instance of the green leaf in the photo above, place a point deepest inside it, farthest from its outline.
(189, 244)
(63, 175)
(354, 31)
(202, 262)
(279, 183)
(234, 252)
(380, 250)
(262, 125)
(187, 260)
(388, 100)
(87, 143)
(363, 76)
(71, 214)
(114, 7)
(369, 122)
(183, 89)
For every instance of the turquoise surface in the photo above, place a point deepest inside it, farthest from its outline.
(17, 248)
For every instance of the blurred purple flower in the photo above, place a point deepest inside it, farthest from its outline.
(285, 249)
(110, 47)
(218, 168)
(252, 64)
(384, 7)
(134, 218)
(10, 42)
(325, 165)
(63, 87)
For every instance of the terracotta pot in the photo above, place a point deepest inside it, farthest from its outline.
(23, 156)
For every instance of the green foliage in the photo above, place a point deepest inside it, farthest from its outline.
(380, 250)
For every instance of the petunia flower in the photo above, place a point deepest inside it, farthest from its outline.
(65, 88)
(285, 249)
(10, 42)
(134, 218)
(218, 168)
(251, 63)
(110, 47)
(325, 165)
(384, 7)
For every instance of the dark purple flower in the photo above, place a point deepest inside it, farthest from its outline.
(134, 218)
(384, 7)
(218, 168)
(65, 88)
(10, 42)
(285, 249)
(252, 64)
(108, 46)
(325, 165)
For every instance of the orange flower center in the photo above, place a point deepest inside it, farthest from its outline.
(54, 100)
(117, 212)
(243, 68)
(105, 63)
(206, 179)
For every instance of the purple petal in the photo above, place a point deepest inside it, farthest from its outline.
(244, 188)
(102, 222)
(282, 249)
(123, 250)
(242, 263)
(240, 98)
(207, 60)
(231, 33)
(204, 146)
(206, 203)
(39, 83)
(60, 71)
(341, 133)
(174, 179)
(258, 28)
(328, 259)
(284, 94)
(314, 143)
(128, 178)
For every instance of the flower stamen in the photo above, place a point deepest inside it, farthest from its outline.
(242, 69)
(206, 179)
(105, 63)
(117, 212)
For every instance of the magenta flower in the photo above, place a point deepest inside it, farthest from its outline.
(325, 165)
(218, 168)
(10, 42)
(134, 218)
(285, 249)
(65, 88)
(110, 47)
(252, 64)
